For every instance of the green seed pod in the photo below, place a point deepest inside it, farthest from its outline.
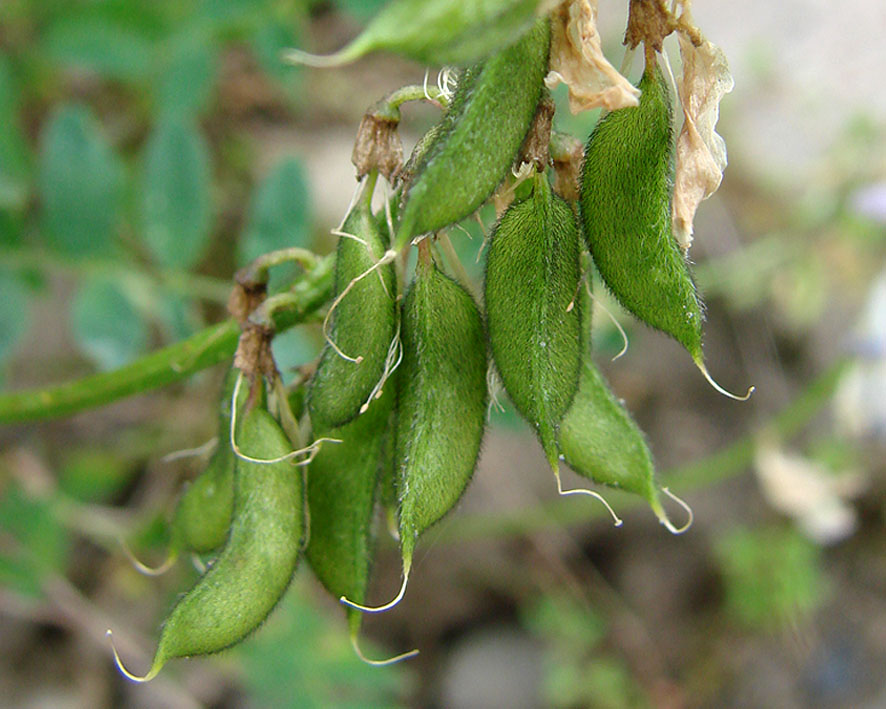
(254, 569)
(625, 208)
(600, 440)
(532, 278)
(342, 485)
(203, 514)
(387, 484)
(441, 401)
(435, 31)
(363, 324)
(480, 134)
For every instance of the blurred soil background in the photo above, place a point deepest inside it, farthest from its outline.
(775, 598)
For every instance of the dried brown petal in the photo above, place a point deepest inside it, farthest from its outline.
(378, 146)
(536, 145)
(701, 152)
(649, 22)
(577, 60)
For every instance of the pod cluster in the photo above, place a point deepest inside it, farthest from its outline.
(400, 390)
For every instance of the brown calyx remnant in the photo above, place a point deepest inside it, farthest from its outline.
(535, 147)
(254, 357)
(567, 153)
(246, 295)
(378, 145)
(649, 22)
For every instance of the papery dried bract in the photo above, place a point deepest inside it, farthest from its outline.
(701, 152)
(577, 60)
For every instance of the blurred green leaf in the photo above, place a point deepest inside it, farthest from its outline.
(177, 317)
(576, 673)
(93, 474)
(772, 576)
(279, 215)
(302, 659)
(80, 181)
(106, 325)
(14, 312)
(14, 154)
(573, 627)
(362, 10)
(10, 228)
(33, 542)
(98, 44)
(229, 16)
(185, 83)
(175, 197)
(269, 41)
(603, 683)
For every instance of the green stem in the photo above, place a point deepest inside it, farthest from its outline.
(389, 106)
(717, 467)
(187, 284)
(206, 348)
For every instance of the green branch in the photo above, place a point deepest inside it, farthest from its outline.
(715, 468)
(171, 364)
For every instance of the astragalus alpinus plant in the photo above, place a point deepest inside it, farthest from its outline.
(396, 409)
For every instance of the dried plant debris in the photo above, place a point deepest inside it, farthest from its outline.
(701, 152)
(577, 60)
(805, 490)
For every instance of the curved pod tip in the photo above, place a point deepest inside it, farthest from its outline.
(143, 568)
(155, 668)
(699, 362)
(617, 521)
(663, 516)
(379, 609)
(380, 663)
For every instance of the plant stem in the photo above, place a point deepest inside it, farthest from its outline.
(715, 468)
(206, 348)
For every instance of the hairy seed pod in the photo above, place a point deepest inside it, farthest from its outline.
(625, 208)
(259, 558)
(363, 323)
(534, 321)
(387, 484)
(600, 440)
(203, 514)
(441, 400)
(343, 481)
(480, 134)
